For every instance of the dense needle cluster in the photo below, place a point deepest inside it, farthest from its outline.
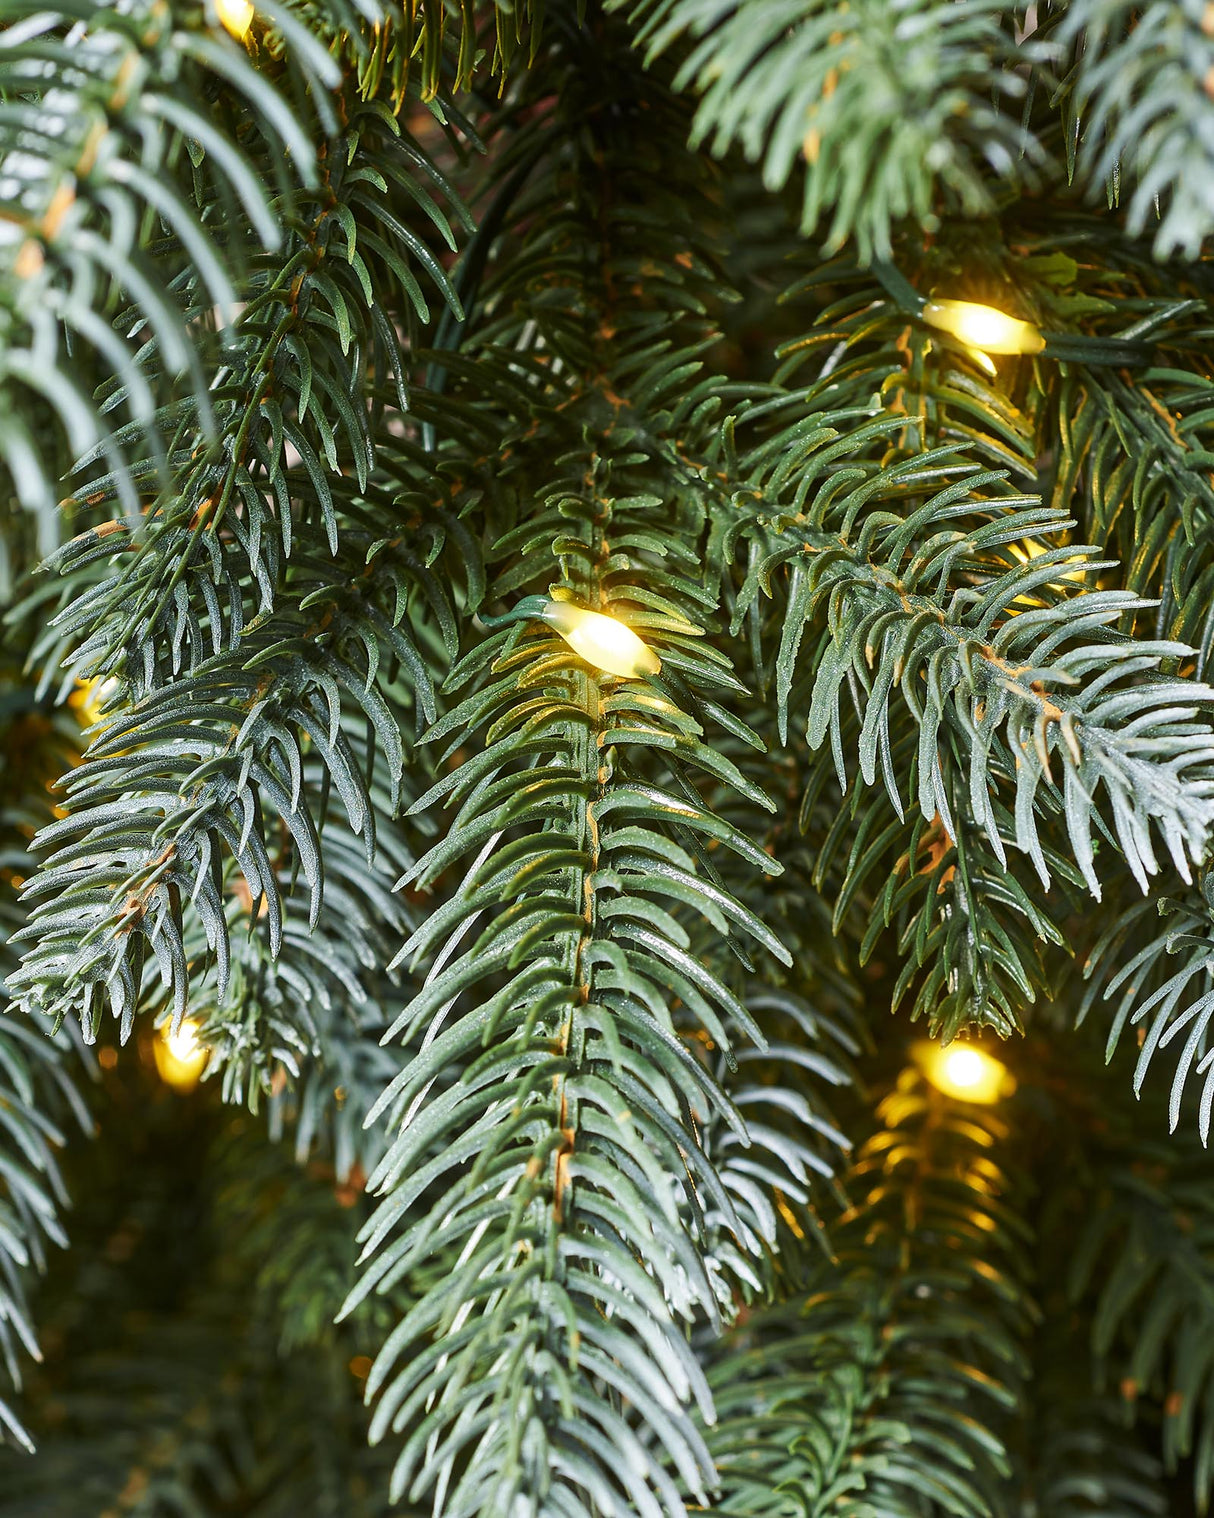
(560, 561)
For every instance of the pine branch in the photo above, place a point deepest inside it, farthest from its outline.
(238, 622)
(908, 563)
(1124, 467)
(549, 1196)
(971, 935)
(38, 1098)
(1022, 685)
(1076, 1452)
(788, 1160)
(967, 929)
(219, 766)
(214, 1377)
(33, 1086)
(1135, 456)
(96, 140)
(889, 108)
(1143, 1266)
(309, 378)
(324, 564)
(299, 1032)
(546, 1047)
(1154, 967)
(1145, 114)
(1087, 1468)
(875, 1392)
(789, 1156)
(787, 1145)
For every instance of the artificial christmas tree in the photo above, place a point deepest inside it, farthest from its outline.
(561, 562)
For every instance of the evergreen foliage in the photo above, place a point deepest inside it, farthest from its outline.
(552, 1095)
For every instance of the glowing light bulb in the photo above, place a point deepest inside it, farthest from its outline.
(965, 1072)
(982, 327)
(600, 640)
(180, 1058)
(89, 697)
(1029, 549)
(236, 17)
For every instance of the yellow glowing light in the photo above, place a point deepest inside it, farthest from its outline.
(601, 640)
(982, 327)
(1032, 548)
(180, 1058)
(236, 16)
(965, 1072)
(89, 697)
(1029, 549)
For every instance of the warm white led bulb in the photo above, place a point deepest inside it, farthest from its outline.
(1032, 548)
(89, 697)
(236, 16)
(184, 1043)
(180, 1058)
(983, 327)
(601, 640)
(965, 1072)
